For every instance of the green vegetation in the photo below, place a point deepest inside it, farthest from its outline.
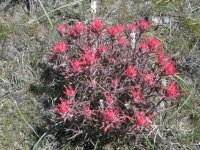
(14, 128)
(3, 31)
(191, 25)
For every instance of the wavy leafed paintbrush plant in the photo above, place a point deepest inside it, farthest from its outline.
(116, 79)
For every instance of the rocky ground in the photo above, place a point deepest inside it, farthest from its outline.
(27, 82)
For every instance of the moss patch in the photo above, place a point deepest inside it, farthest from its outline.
(14, 130)
(4, 29)
(191, 25)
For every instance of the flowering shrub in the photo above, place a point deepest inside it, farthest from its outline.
(114, 81)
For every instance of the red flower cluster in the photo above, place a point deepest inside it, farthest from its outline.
(118, 83)
(131, 71)
(60, 47)
(132, 27)
(172, 90)
(144, 25)
(69, 91)
(167, 63)
(64, 109)
(97, 25)
(142, 119)
(137, 95)
(115, 30)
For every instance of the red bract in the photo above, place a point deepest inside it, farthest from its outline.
(111, 117)
(77, 65)
(172, 90)
(64, 108)
(149, 78)
(61, 28)
(144, 24)
(115, 30)
(91, 57)
(161, 55)
(60, 47)
(144, 47)
(122, 41)
(73, 33)
(131, 71)
(101, 48)
(79, 27)
(97, 25)
(153, 43)
(132, 27)
(164, 60)
(69, 91)
(87, 111)
(115, 83)
(170, 69)
(137, 95)
(87, 48)
(168, 65)
(142, 120)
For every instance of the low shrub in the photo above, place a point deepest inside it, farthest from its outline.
(115, 79)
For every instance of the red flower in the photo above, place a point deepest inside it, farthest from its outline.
(132, 27)
(142, 120)
(161, 55)
(111, 80)
(115, 83)
(170, 69)
(167, 63)
(153, 43)
(90, 57)
(79, 27)
(131, 71)
(112, 115)
(87, 48)
(69, 91)
(144, 47)
(163, 60)
(113, 60)
(87, 111)
(61, 28)
(120, 28)
(101, 49)
(115, 30)
(112, 118)
(122, 41)
(137, 95)
(64, 108)
(144, 25)
(77, 65)
(60, 47)
(108, 46)
(149, 78)
(73, 33)
(172, 90)
(97, 25)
